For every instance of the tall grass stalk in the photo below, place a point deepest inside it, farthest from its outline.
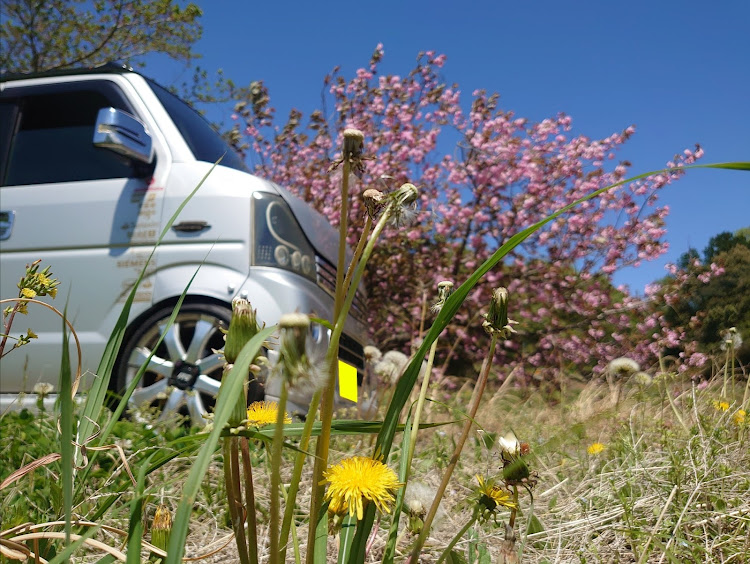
(331, 362)
(276, 461)
(474, 406)
(327, 398)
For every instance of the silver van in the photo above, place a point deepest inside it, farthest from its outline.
(92, 165)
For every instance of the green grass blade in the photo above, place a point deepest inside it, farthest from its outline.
(231, 387)
(390, 545)
(346, 537)
(96, 394)
(66, 426)
(135, 527)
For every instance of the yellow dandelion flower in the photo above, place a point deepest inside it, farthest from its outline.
(720, 405)
(261, 413)
(28, 293)
(740, 417)
(595, 448)
(355, 481)
(492, 496)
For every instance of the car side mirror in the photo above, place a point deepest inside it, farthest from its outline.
(124, 134)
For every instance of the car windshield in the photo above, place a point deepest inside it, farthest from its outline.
(205, 143)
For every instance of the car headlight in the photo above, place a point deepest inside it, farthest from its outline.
(278, 239)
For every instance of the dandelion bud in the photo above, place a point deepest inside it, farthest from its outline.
(242, 327)
(509, 446)
(445, 289)
(354, 143)
(498, 314)
(294, 328)
(161, 528)
(373, 201)
(496, 319)
(407, 194)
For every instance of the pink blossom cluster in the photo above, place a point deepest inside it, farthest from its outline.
(484, 174)
(659, 334)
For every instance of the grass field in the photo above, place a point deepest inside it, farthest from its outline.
(622, 474)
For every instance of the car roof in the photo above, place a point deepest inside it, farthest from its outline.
(114, 68)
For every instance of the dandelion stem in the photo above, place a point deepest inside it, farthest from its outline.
(475, 399)
(278, 443)
(418, 411)
(514, 509)
(458, 536)
(326, 409)
(357, 254)
(8, 325)
(231, 475)
(668, 393)
(252, 523)
(343, 219)
(299, 463)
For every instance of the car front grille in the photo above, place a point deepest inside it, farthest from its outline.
(352, 352)
(326, 274)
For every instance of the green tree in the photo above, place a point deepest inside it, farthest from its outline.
(726, 241)
(707, 309)
(43, 35)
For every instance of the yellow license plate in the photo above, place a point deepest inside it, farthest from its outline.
(347, 381)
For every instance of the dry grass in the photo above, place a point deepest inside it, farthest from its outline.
(660, 491)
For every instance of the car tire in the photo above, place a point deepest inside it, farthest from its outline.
(184, 374)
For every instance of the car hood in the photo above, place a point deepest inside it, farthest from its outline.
(316, 226)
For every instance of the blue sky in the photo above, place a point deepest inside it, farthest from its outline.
(678, 71)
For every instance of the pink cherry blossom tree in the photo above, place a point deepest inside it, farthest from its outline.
(483, 174)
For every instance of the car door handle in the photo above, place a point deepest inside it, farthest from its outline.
(6, 224)
(190, 226)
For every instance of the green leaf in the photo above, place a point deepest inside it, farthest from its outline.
(534, 526)
(66, 426)
(346, 537)
(135, 527)
(455, 558)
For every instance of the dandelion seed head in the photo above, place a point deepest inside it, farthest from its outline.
(372, 354)
(43, 388)
(623, 366)
(391, 366)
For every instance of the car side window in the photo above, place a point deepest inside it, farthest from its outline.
(53, 140)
